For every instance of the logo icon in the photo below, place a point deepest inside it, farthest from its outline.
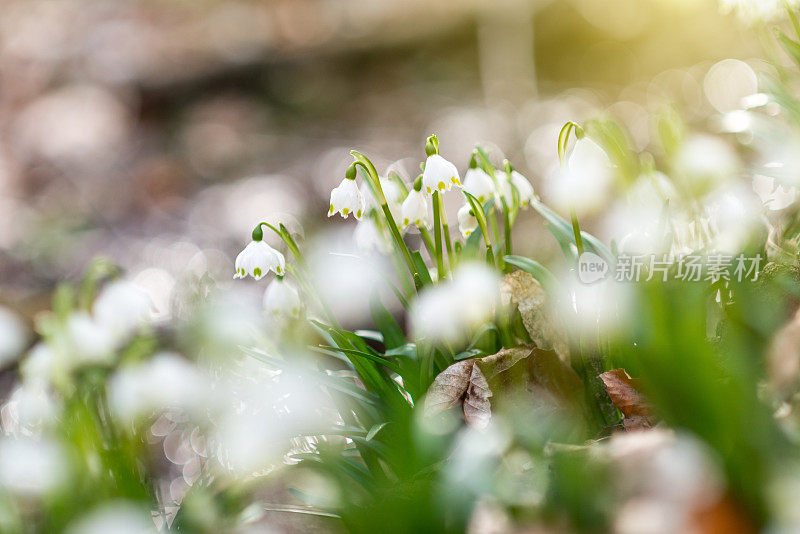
(591, 268)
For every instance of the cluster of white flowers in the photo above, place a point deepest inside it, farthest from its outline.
(414, 208)
(118, 312)
(448, 311)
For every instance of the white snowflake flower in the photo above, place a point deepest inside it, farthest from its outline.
(347, 199)
(467, 222)
(524, 188)
(257, 259)
(281, 300)
(478, 184)
(415, 210)
(439, 174)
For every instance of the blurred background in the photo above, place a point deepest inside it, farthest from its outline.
(158, 132)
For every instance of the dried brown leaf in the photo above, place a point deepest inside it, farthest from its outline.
(461, 384)
(624, 393)
(523, 291)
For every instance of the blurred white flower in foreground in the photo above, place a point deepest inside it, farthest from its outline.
(415, 210)
(448, 311)
(257, 259)
(774, 197)
(638, 222)
(439, 174)
(705, 162)
(478, 184)
(467, 223)
(30, 407)
(13, 336)
(122, 307)
(167, 381)
(90, 341)
(584, 181)
(266, 415)
(601, 306)
(281, 300)
(117, 518)
(733, 216)
(758, 10)
(665, 479)
(343, 277)
(31, 467)
(346, 198)
(369, 237)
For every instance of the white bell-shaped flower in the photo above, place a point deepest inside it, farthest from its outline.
(392, 192)
(369, 237)
(439, 174)
(524, 189)
(257, 259)
(281, 300)
(347, 199)
(503, 191)
(415, 210)
(478, 184)
(467, 222)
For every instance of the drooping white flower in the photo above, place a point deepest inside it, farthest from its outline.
(38, 366)
(584, 182)
(415, 210)
(281, 300)
(394, 197)
(467, 222)
(478, 184)
(31, 467)
(524, 189)
(32, 406)
(122, 307)
(347, 199)
(90, 341)
(13, 336)
(439, 174)
(257, 259)
(165, 382)
(369, 237)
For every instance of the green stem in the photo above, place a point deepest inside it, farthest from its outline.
(446, 231)
(372, 175)
(437, 235)
(576, 229)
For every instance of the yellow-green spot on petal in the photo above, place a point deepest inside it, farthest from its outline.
(257, 271)
(441, 186)
(406, 221)
(358, 214)
(279, 270)
(345, 211)
(330, 211)
(454, 180)
(429, 190)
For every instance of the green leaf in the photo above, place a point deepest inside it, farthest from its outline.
(392, 333)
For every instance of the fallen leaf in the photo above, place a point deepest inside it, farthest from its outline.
(523, 291)
(624, 393)
(461, 384)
